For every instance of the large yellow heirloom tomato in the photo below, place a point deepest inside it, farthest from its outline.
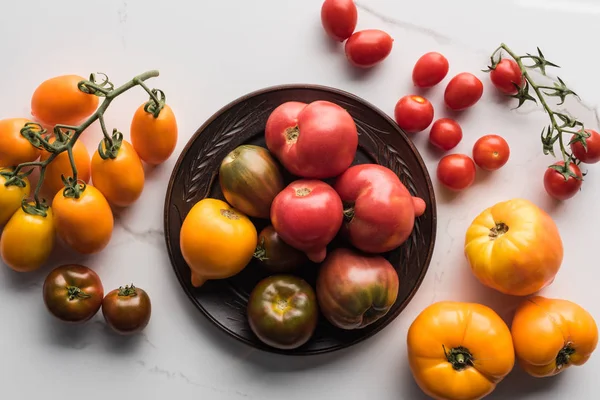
(514, 247)
(11, 196)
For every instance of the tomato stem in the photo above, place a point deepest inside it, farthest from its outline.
(127, 291)
(261, 253)
(500, 229)
(459, 357)
(73, 292)
(564, 356)
(349, 213)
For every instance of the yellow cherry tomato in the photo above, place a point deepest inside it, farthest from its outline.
(154, 139)
(11, 196)
(61, 165)
(14, 148)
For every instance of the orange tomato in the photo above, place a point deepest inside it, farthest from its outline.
(15, 149)
(121, 180)
(216, 240)
(550, 335)
(154, 139)
(84, 224)
(459, 351)
(514, 247)
(58, 100)
(11, 197)
(62, 166)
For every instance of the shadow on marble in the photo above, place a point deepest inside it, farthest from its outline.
(518, 384)
(70, 336)
(408, 387)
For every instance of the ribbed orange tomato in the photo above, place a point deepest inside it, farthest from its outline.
(154, 139)
(62, 166)
(15, 149)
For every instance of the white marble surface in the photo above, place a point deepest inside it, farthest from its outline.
(209, 53)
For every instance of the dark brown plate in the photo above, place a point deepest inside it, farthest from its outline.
(242, 121)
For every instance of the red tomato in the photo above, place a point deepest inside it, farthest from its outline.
(413, 113)
(456, 171)
(430, 70)
(558, 186)
(339, 18)
(368, 48)
(445, 134)
(591, 155)
(491, 152)
(463, 91)
(505, 74)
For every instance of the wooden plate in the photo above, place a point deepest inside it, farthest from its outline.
(195, 176)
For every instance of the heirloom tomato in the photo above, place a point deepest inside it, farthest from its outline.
(275, 254)
(514, 247)
(127, 310)
(558, 185)
(61, 166)
(505, 75)
(308, 214)
(413, 113)
(73, 293)
(459, 351)
(216, 240)
(15, 149)
(369, 47)
(283, 311)
(445, 134)
(250, 179)
(550, 335)
(354, 289)
(317, 140)
(463, 91)
(430, 69)
(590, 154)
(154, 139)
(491, 152)
(339, 18)
(11, 196)
(456, 171)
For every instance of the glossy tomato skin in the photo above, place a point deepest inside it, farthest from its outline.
(250, 179)
(73, 293)
(154, 139)
(339, 18)
(369, 47)
(379, 211)
(413, 113)
(308, 214)
(121, 179)
(591, 154)
(463, 91)
(456, 171)
(58, 100)
(84, 224)
(27, 240)
(505, 75)
(216, 240)
(491, 152)
(459, 351)
(514, 247)
(445, 134)
(127, 310)
(316, 141)
(62, 166)
(283, 311)
(558, 186)
(15, 149)
(275, 254)
(11, 196)
(430, 69)
(354, 289)
(551, 335)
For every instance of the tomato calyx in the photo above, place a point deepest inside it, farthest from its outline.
(565, 170)
(500, 229)
(109, 146)
(302, 192)
(96, 87)
(17, 179)
(261, 252)
(73, 187)
(127, 291)
(157, 100)
(291, 135)
(348, 212)
(35, 208)
(73, 293)
(564, 356)
(459, 357)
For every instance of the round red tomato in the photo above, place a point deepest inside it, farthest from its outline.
(430, 70)
(339, 18)
(591, 154)
(365, 49)
(413, 113)
(491, 152)
(127, 309)
(445, 134)
(456, 171)
(559, 186)
(506, 74)
(463, 91)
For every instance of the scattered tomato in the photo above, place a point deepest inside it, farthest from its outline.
(127, 309)
(413, 113)
(591, 153)
(15, 148)
(275, 254)
(430, 69)
(559, 186)
(506, 75)
(463, 91)
(491, 152)
(154, 139)
(11, 196)
(339, 18)
(445, 134)
(61, 166)
(367, 48)
(456, 171)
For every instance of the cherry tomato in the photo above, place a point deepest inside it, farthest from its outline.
(430, 69)
(73, 293)
(339, 18)
(127, 310)
(463, 91)
(11, 196)
(558, 186)
(15, 149)
(591, 155)
(456, 171)
(62, 166)
(413, 113)
(367, 48)
(491, 152)
(445, 134)
(506, 74)
(154, 139)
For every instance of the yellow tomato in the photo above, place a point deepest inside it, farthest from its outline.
(15, 149)
(61, 165)
(217, 241)
(459, 351)
(11, 197)
(514, 247)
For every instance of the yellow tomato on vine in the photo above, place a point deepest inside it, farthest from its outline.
(12, 193)
(61, 166)
(15, 148)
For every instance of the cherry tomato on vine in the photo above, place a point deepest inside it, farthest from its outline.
(413, 113)
(339, 18)
(456, 171)
(505, 75)
(61, 165)
(491, 152)
(14, 148)
(58, 100)
(127, 310)
(430, 69)
(591, 153)
(367, 48)
(445, 134)
(154, 139)
(559, 186)
(86, 223)
(11, 196)
(463, 91)
(73, 293)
